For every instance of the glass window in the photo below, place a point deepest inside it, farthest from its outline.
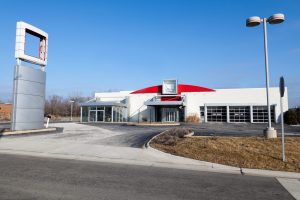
(85, 113)
(100, 107)
(92, 116)
(118, 114)
(239, 113)
(260, 114)
(93, 108)
(216, 114)
(115, 114)
(108, 113)
(202, 114)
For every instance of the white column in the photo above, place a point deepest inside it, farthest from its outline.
(205, 113)
(112, 114)
(227, 112)
(251, 113)
(80, 114)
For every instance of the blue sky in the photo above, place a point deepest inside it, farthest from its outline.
(128, 45)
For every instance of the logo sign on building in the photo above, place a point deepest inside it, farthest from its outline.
(169, 87)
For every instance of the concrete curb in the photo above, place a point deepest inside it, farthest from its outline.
(209, 166)
(147, 145)
(13, 133)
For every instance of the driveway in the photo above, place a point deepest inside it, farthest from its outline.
(128, 135)
(112, 143)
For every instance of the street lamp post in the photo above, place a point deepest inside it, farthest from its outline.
(270, 132)
(71, 101)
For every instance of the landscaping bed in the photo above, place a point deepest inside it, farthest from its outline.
(245, 152)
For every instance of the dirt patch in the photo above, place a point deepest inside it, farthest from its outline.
(245, 152)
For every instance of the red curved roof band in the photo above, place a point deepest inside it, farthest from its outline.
(181, 88)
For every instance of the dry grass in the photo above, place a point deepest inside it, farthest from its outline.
(193, 118)
(171, 137)
(245, 152)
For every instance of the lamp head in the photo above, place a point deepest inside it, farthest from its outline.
(276, 18)
(253, 21)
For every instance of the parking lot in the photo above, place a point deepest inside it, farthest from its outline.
(239, 129)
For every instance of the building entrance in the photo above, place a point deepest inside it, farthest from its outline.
(170, 114)
(100, 116)
(166, 114)
(96, 116)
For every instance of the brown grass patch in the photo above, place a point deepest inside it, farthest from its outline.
(245, 152)
(192, 118)
(170, 137)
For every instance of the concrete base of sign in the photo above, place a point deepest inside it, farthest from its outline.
(270, 132)
(22, 132)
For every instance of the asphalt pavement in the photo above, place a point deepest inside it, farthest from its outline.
(137, 136)
(239, 129)
(25, 177)
(132, 136)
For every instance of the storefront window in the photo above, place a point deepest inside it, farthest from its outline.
(103, 113)
(108, 113)
(93, 108)
(85, 114)
(100, 108)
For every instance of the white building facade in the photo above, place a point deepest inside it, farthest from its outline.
(172, 102)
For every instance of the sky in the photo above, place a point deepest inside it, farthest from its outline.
(112, 45)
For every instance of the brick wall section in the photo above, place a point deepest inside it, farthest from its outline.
(5, 112)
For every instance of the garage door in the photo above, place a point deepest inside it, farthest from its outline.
(239, 113)
(260, 114)
(216, 114)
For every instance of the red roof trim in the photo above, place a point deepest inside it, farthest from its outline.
(181, 88)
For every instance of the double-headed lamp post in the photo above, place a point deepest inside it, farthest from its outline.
(71, 101)
(270, 132)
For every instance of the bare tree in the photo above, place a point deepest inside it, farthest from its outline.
(60, 106)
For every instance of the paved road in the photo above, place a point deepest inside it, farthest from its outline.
(23, 177)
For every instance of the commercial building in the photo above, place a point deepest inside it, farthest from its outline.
(5, 111)
(173, 102)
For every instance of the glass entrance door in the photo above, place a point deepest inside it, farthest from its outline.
(92, 116)
(96, 116)
(170, 114)
(100, 116)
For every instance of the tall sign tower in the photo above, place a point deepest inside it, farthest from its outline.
(29, 82)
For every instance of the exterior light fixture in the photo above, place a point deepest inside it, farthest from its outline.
(253, 21)
(276, 19)
(71, 101)
(270, 132)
